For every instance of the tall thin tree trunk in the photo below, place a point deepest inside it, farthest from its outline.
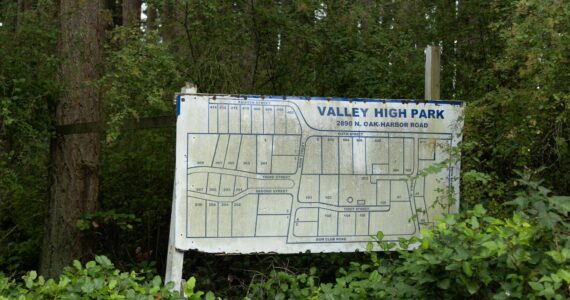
(151, 14)
(23, 6)
(170, 14)
(255, 51)
(74, 170)
(131, 12)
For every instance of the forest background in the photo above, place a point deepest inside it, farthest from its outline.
(99, 61)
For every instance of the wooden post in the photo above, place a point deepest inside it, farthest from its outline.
(175, 257)
(432, 76)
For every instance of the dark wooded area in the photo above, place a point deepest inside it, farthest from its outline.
(77, 76)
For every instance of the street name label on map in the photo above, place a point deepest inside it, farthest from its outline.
(289, 175)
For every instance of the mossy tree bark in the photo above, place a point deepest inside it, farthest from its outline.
(74, 170)
(131, 12)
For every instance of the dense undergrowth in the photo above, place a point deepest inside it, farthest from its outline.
(466, 256)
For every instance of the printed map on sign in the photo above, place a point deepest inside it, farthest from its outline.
(268, 174)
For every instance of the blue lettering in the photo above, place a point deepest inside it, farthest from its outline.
(355, 112)
(363, 112)
(392, 113)
(414, 112)
(428, 114)
(331, 112)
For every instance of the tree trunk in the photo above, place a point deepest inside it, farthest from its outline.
(131, 12)
(151, 14)
(74, 170)
(116, 12)
(23, 6)
(255, 47)
(172, 14)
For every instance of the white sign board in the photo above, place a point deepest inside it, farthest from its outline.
(290, 174)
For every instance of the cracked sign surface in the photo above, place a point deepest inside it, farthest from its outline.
(287, 175)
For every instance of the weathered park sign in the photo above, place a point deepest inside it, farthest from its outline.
(293, 174)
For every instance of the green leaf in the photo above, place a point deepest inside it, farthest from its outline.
(374, 276)
(548, 291)
(474, 223)
(453, 266)
(103, 261)
(472, 286)
(210, 296)
(189, 286)
(195, 296)
(536, 286)
(491, 245)
(112, 284)
(90, 265)
(564, 275)
(77, 265)
(87, 287)
(380, 236)
(425, 243)
(156, 281)
(444, 284)
(562, 202)
(63, 282)
(467, 269)
(369, 246)
(479, 210)
(566, 253)
(29, 279)
(557, 256)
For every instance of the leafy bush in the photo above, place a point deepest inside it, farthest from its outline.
(281, 283)
(98, 279)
